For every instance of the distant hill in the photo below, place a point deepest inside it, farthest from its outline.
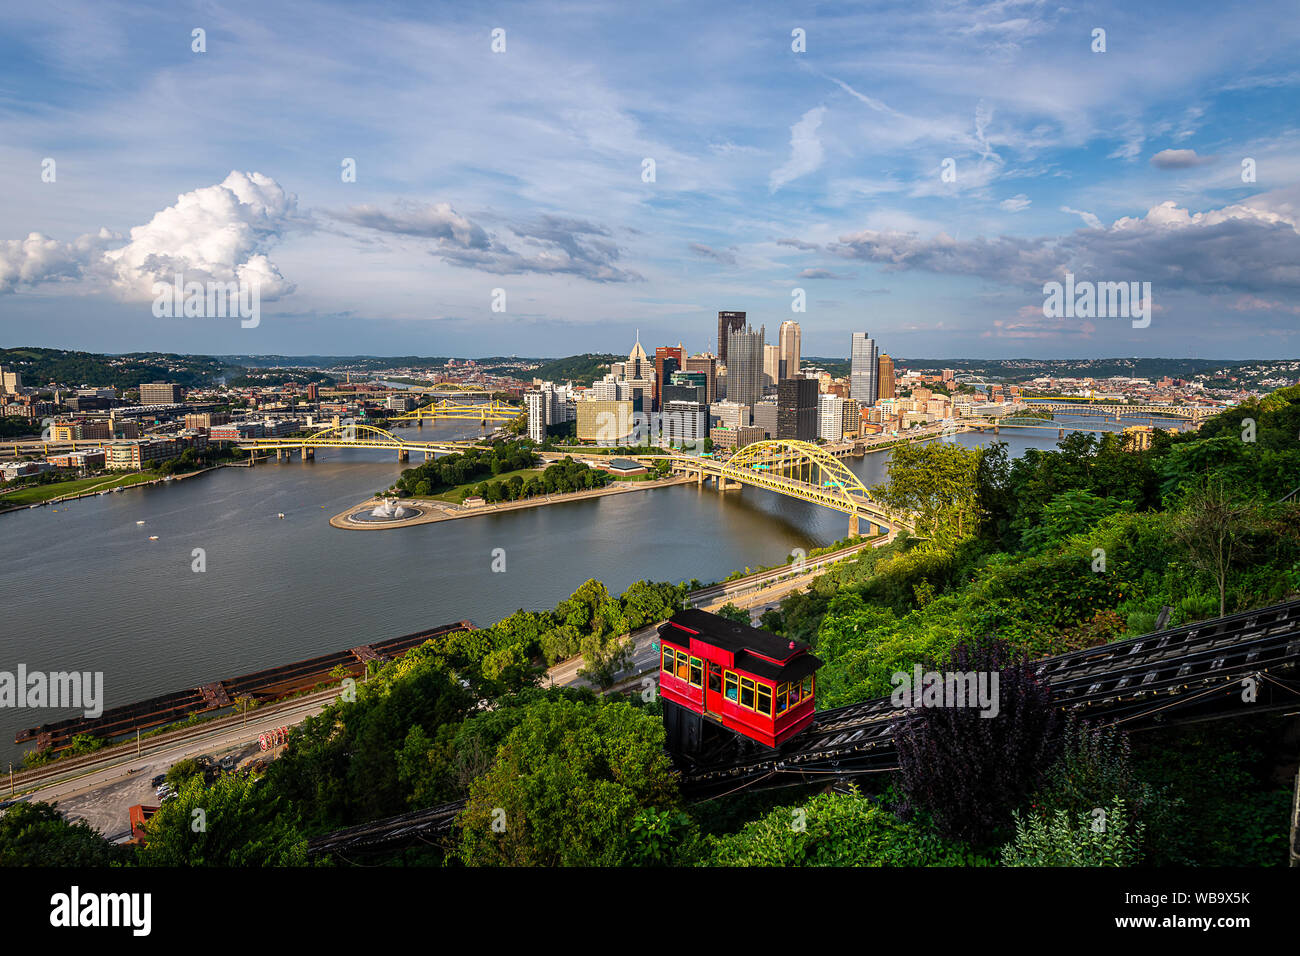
(40, 366)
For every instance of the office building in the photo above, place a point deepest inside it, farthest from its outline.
(745, 366)
(10, 381)
(765, 416)
(707, 364)
(886, 370)
(864, 386)
(668, 359)
(728, 322)
(734, 439)
(684, 422)
(729, 414)
(796, 415)
(830, 417)
(605, 422)
(771, 365)
(789, 349)
(159, 393)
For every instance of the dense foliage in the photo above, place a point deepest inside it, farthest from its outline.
(834, 829)
(440, 474)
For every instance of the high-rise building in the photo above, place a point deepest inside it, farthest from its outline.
(864, 385)
(159, 393)
(10, 381)
(771, 365)
(728, 322)
(605, 422)
(765, 415)
(830, 417)
(789, 338)
(708, 364)
(687, 387)
(668, 359)
(796, 412)
(886, 367)
(684, 422)
(745, 366)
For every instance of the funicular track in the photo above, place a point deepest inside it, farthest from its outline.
(1195, 672)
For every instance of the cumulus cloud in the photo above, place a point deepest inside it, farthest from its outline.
(217, 233)
(1016, 203)
(805, 150)
(1243, 247)
(1179, 159)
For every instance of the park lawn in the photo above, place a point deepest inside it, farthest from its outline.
(38, 493)
(458, 494)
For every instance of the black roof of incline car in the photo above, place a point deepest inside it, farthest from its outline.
(757, 652)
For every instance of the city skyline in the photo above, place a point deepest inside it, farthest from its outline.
(920, 172)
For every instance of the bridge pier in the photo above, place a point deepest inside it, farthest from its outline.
(1060, 433)
(308, 454)
(403, 454)
(853, 526)
(997, 429)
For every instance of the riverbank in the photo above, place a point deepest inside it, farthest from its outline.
(90, 488)
(433, 510)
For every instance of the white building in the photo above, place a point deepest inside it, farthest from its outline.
(830, 417)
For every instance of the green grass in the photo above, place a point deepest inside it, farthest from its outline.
(36, 493)
(458, 494)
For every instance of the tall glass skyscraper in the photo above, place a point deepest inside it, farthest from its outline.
(789, 338)
(745, 366)
(864, 378)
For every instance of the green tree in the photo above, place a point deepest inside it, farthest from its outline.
(566, 786)
(36, 834)
(936, 482)
(235, 822)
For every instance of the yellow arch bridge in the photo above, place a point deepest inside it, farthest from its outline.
(351, 436)
(796, 469)
(482, 412)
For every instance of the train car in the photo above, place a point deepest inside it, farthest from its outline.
(715, 673)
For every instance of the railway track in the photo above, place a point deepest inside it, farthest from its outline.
(1194, 672)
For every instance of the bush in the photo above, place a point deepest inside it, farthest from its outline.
(1106, 837)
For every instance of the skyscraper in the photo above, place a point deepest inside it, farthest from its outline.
(796, 409)
(771, 365)
(790, 335)
(668, 359)
(864, 382)
(745, 366)
(886, 366)
(728, 322)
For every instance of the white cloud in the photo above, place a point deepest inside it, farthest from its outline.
(1089, 219)
(1017, 203)
(806, 152)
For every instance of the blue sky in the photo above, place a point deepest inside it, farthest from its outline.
(774, 170)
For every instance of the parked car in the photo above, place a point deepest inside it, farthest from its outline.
(159, 780)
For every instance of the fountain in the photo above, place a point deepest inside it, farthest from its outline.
(388, 509)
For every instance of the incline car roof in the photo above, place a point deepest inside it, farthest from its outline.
(736, 637)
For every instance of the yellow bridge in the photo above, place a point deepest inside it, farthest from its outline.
(1195, 413)
(351, 436)
(796, 469)
(445, 410)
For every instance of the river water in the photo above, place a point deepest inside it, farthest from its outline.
(85, 589)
